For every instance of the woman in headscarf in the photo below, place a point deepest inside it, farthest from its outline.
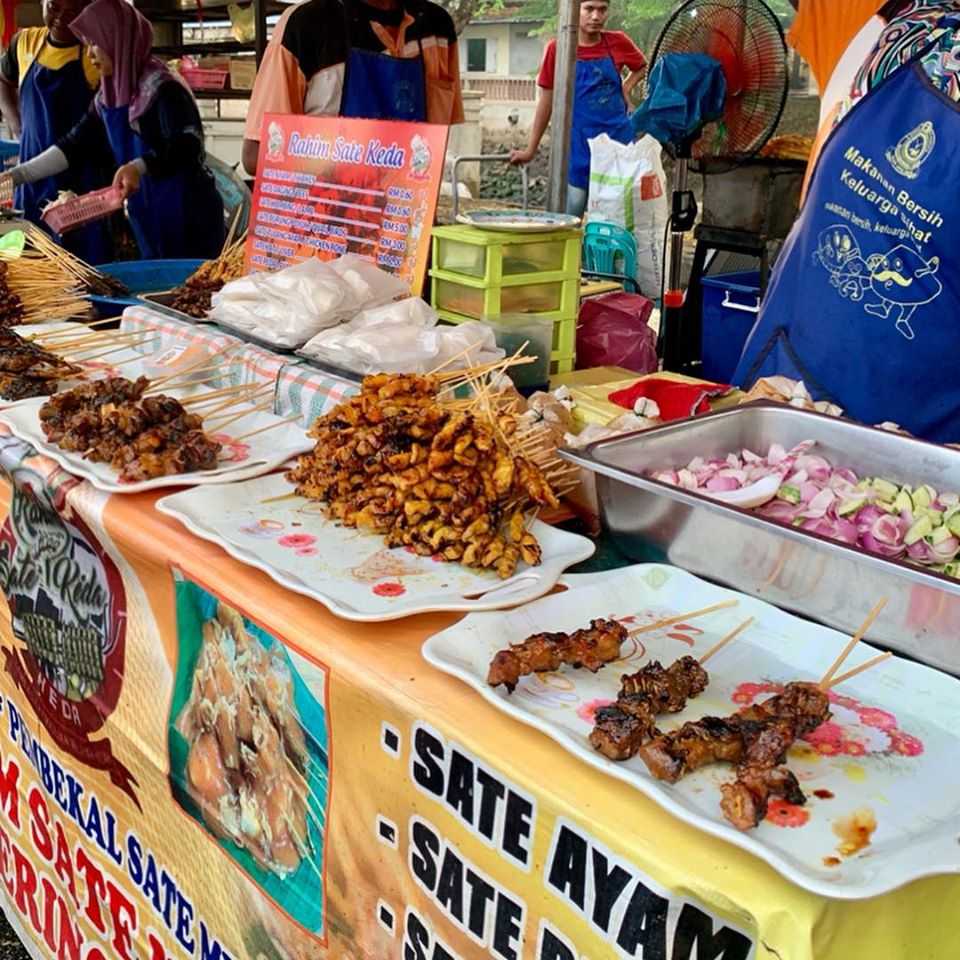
(150, 120)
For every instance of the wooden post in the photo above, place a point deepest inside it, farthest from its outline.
(568, 33)
(260, 25)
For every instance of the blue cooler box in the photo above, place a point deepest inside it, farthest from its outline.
(731, 304)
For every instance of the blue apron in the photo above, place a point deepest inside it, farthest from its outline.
(377, 86)
(862, 302)
(52, 102)
(599, 107)
(173, 218)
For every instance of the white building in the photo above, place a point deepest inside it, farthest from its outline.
(500, 55)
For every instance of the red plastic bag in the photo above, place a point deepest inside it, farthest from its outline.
(613, 332)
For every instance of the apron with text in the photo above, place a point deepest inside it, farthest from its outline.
(176, 217)
(862, 303)
(378, 86)
(598, 108)
(52, 102)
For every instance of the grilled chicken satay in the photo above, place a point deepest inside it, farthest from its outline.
(622, 728)
(761, 734)
(543, 652)
(744, 802)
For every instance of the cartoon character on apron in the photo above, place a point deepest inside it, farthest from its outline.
(862, 301)
(52, 102)
(599, 107)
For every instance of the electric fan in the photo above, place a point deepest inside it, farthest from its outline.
(746, 38)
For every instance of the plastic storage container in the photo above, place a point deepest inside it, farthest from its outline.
(563, 339)
(504, 258)
(559, 296)
(731, 303)
(511, 333)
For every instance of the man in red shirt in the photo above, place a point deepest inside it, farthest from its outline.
(600, 103)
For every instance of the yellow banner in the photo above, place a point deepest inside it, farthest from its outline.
(195, 763)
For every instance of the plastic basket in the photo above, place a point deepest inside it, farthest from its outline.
(71, 214)
(731, 304)
(200, 79)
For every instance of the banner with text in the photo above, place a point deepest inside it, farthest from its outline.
(327, 186)
(198, 765)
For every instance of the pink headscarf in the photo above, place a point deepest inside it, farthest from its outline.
(126, 36)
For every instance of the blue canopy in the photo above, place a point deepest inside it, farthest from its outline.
(686, 91)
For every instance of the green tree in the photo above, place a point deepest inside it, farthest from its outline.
(640, 19)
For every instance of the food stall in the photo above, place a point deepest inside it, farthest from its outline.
(234, 726)
(303, 656)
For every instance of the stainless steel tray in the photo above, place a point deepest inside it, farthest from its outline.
(827, 581)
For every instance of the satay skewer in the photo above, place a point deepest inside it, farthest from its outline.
(682, 617)
(856, 671)
(854, 640)
(249, 396)
(729, 638)
(269, 426)
(262, 408)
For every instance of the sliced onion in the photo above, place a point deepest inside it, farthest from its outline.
(776, 455)
(886, 529)
(720, 483)
(872, 545)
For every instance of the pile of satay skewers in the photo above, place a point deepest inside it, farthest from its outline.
(45, 283)
(755, 740)
(195, 297)
(136, 426)
(456, 479)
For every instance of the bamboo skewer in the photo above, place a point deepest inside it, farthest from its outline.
(854, 640)
(205, 398)
(729, 638)
(107, 353)
(269, 426)
(264, 407)
(226, 407)
(682, 617)
(856, 671)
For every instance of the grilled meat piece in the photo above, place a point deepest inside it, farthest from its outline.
(804, 703)
(22, 388)
(621, 729)
(543, 652)
(668, 689)
(761, 734)
(744, 802)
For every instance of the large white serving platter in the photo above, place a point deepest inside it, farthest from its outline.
(351, 572)
(239, 460)
(890, 750)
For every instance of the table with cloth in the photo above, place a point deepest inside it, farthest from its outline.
(439, 827)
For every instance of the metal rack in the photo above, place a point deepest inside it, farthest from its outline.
(175, 14)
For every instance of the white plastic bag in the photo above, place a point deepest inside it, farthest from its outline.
(402, 337)
(367, 285)
(627, 189)
(285, 308)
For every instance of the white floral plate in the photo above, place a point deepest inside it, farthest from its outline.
(883, 770)
(352, 573)
(240, 460)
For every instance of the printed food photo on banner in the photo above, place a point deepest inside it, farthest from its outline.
(248, 742)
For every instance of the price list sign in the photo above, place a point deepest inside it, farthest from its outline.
(327, 186)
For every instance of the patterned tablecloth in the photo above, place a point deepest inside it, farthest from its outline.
(301, 389)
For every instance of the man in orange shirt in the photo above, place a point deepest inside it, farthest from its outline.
(376, 59)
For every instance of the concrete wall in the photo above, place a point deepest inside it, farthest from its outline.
(497, 36)
(526, 51)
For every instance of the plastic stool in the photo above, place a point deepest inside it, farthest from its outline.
(610, 250)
